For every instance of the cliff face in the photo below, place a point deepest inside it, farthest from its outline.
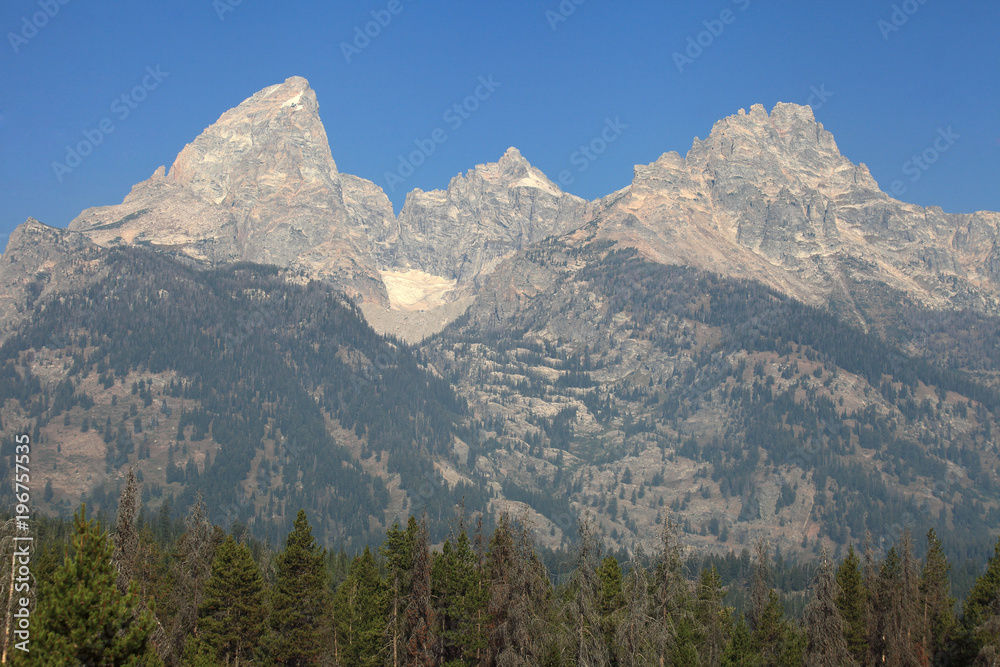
(770, 197)
(463, 232)
(767, 197)
(259, 185)
(40, 262)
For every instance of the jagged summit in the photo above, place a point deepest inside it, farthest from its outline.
(484, 216)
(259, 184)
(766, 196)
(275, 133)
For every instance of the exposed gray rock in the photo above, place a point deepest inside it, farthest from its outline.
(463, 232)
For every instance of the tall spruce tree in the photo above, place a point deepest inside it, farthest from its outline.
(518, 592)
(715, 620)
(610, 598)
(397, 549)
(300, 610)
(634, 646)
(852, 601)
(974, 632)
(825, 642)
(360, 615)
(937, 606)
(130, 555)
(771, 635)
(82, 618)
(188, 574)
(889, 641)
(457, 587)
(420, 623)
(233, 609)
(588, 642)
(671, 592)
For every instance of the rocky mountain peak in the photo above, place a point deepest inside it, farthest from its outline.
(259, 184)
(484, 216)
(787, 148)
(272, 138)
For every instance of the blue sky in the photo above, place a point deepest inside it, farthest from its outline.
(561, 70)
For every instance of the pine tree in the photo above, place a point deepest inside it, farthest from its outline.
(852, 601)
(360, 615)
(419, 619)
(937, 604)
(518, 591)
(610, 599)
(633, 640)
(977, 609)
(189, 573)
(769, 630)
(889, 640)
(300, 609)
(82, 617)
(126, 534)
(397, 549)
(129, 553)
(714, 620)
(911, 617)
(671, 596)
(457, 587)
(741, 652)
(825, 642)
(588, 642)
(232, 612)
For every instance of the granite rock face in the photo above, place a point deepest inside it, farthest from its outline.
(463, 232)
(767, 196)
(770, 197)
(40, 262)
(259, 185)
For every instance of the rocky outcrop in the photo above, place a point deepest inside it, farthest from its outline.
(770, 197)
(259, 185)
(483, 217)
(41, 261)
(767, 196)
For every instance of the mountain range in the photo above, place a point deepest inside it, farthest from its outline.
(753, 339)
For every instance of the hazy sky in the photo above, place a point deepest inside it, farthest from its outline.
(888, 79)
